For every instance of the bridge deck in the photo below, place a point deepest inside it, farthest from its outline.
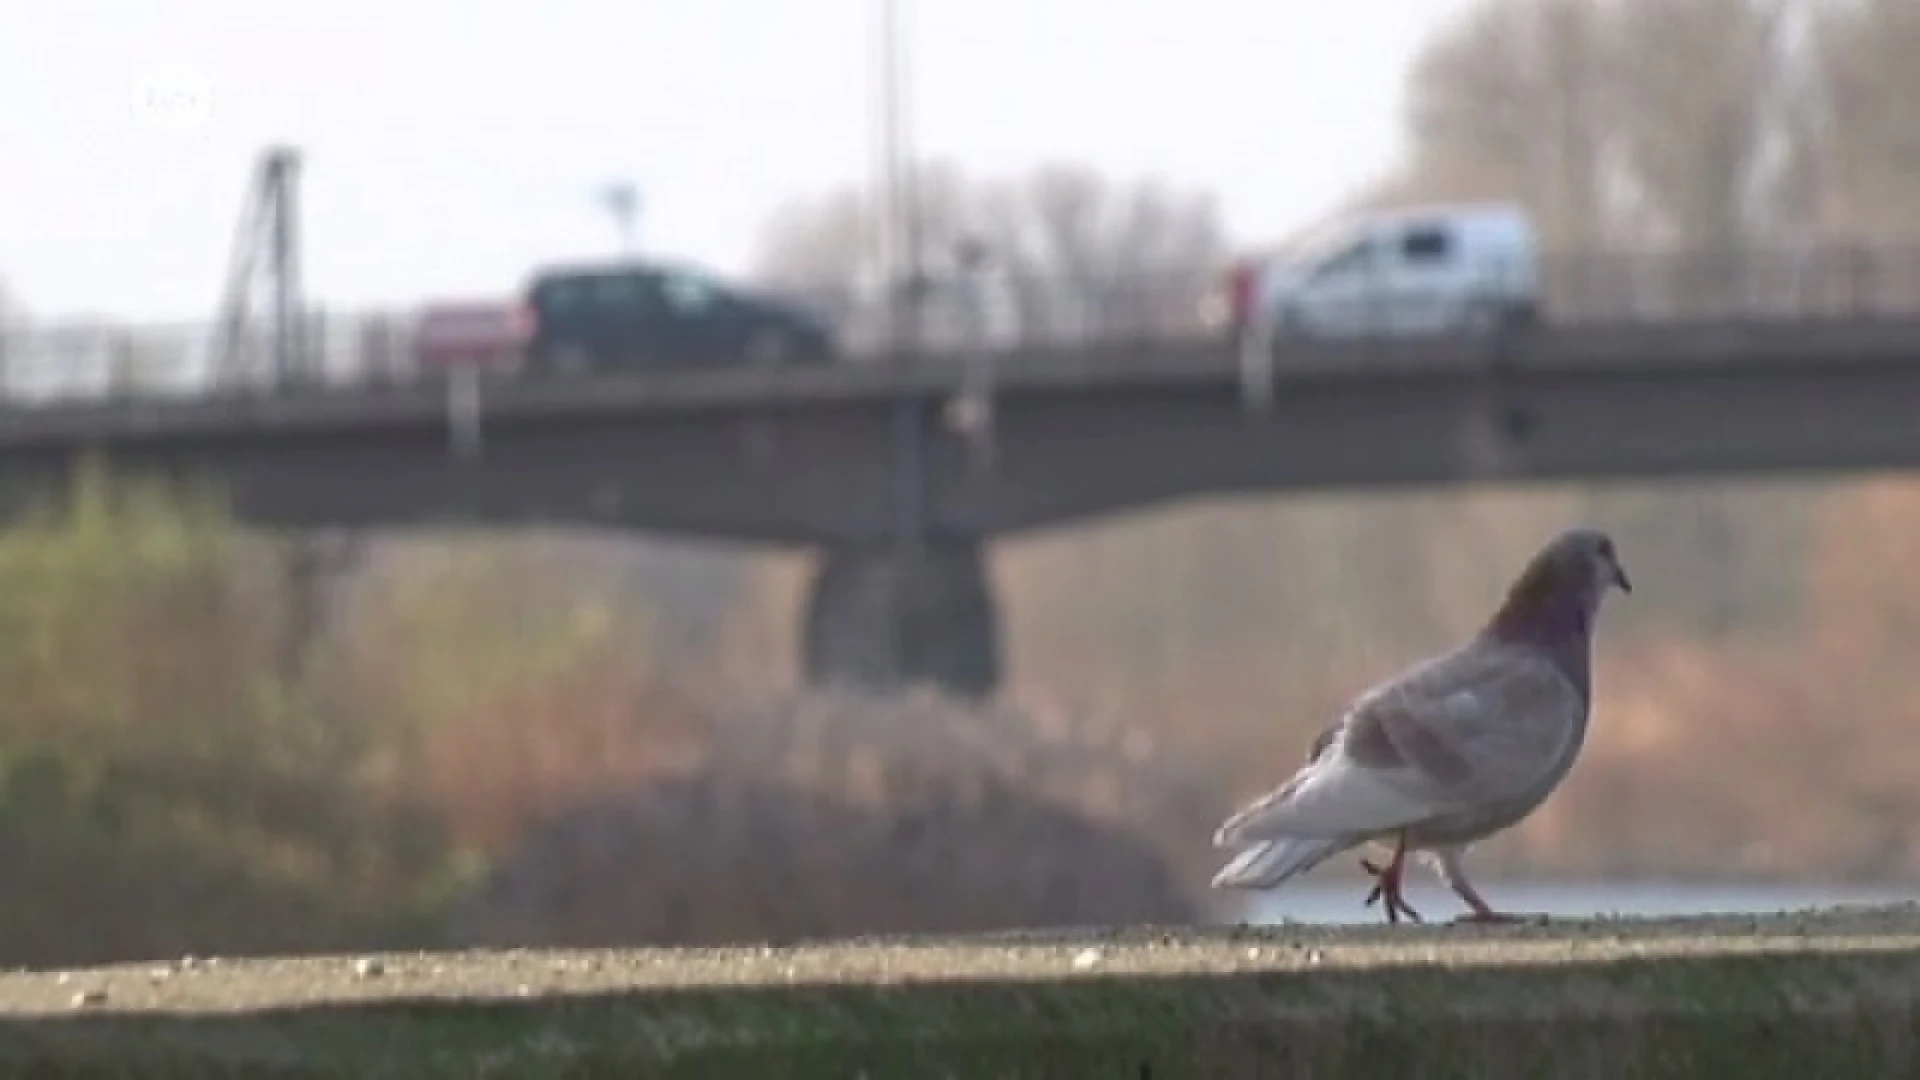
(1759, 344)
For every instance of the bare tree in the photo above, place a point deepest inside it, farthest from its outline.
(819, 244)
(1512, 100)
(1863, 54)
(1697, 118)
(1705, 141)
(1078, 254)
(832, 241)
(1058, 253)
(1621, 125)
(1618, 122)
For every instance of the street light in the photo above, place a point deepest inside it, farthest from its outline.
(899, 227)
(622, 200)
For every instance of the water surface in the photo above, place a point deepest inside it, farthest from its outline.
(1339, 901)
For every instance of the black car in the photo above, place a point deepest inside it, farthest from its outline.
(635, 316)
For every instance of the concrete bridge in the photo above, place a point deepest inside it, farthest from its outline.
(901, 474)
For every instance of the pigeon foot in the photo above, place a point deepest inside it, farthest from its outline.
(1386, 886)
(1500, 918)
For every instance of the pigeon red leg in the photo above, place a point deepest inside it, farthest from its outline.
(1455, 875)
(1482, 913)
(1386, 884)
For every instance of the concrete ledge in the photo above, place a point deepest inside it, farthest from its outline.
(1830, 995)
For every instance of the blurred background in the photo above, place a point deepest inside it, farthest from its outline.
(217, 738)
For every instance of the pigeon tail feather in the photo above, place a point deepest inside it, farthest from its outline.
(1270, 862)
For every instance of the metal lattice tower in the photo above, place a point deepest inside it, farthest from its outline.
(269, 225)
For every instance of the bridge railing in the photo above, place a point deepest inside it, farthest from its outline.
(1834, 282)
(1000, 315)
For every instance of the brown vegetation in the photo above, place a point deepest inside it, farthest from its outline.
(489, 715)
(838, 815)
(161, 789)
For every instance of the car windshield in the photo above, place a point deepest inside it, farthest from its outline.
(691, 293)
(620, 290)
(1321, 242)
(592, 291)
(1354, 256)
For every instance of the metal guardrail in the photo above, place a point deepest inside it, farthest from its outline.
(991, 318)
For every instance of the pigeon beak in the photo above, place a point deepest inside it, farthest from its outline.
(1620, 579)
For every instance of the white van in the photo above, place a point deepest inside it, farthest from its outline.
(1471, 267)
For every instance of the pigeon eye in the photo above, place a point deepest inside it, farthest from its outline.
(1606, 549)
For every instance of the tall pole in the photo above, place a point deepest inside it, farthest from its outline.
(899, 225)
(289, 313)
(908, 165)
(898, 260)
(886, 159)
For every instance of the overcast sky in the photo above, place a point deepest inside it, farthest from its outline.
(452, 144)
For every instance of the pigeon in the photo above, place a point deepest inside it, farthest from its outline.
(1449, 751)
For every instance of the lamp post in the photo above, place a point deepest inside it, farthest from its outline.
(622, 200)
(898, 202)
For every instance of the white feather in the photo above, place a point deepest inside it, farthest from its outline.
(1270, 862)
(1339, 798)
(1330, 797)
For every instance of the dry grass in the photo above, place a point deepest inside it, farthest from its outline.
(171, 785)
(838, 814)
(162, 789)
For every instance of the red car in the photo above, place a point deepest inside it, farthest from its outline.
(491, 335)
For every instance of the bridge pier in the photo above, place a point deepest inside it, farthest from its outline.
(313, 566)
(897, 616)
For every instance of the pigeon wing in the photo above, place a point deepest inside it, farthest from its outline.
(1330, 797)
(1344, 789)
(1491, 723)
(1476, 726)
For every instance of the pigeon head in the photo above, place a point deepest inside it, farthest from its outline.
(1555, 599)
